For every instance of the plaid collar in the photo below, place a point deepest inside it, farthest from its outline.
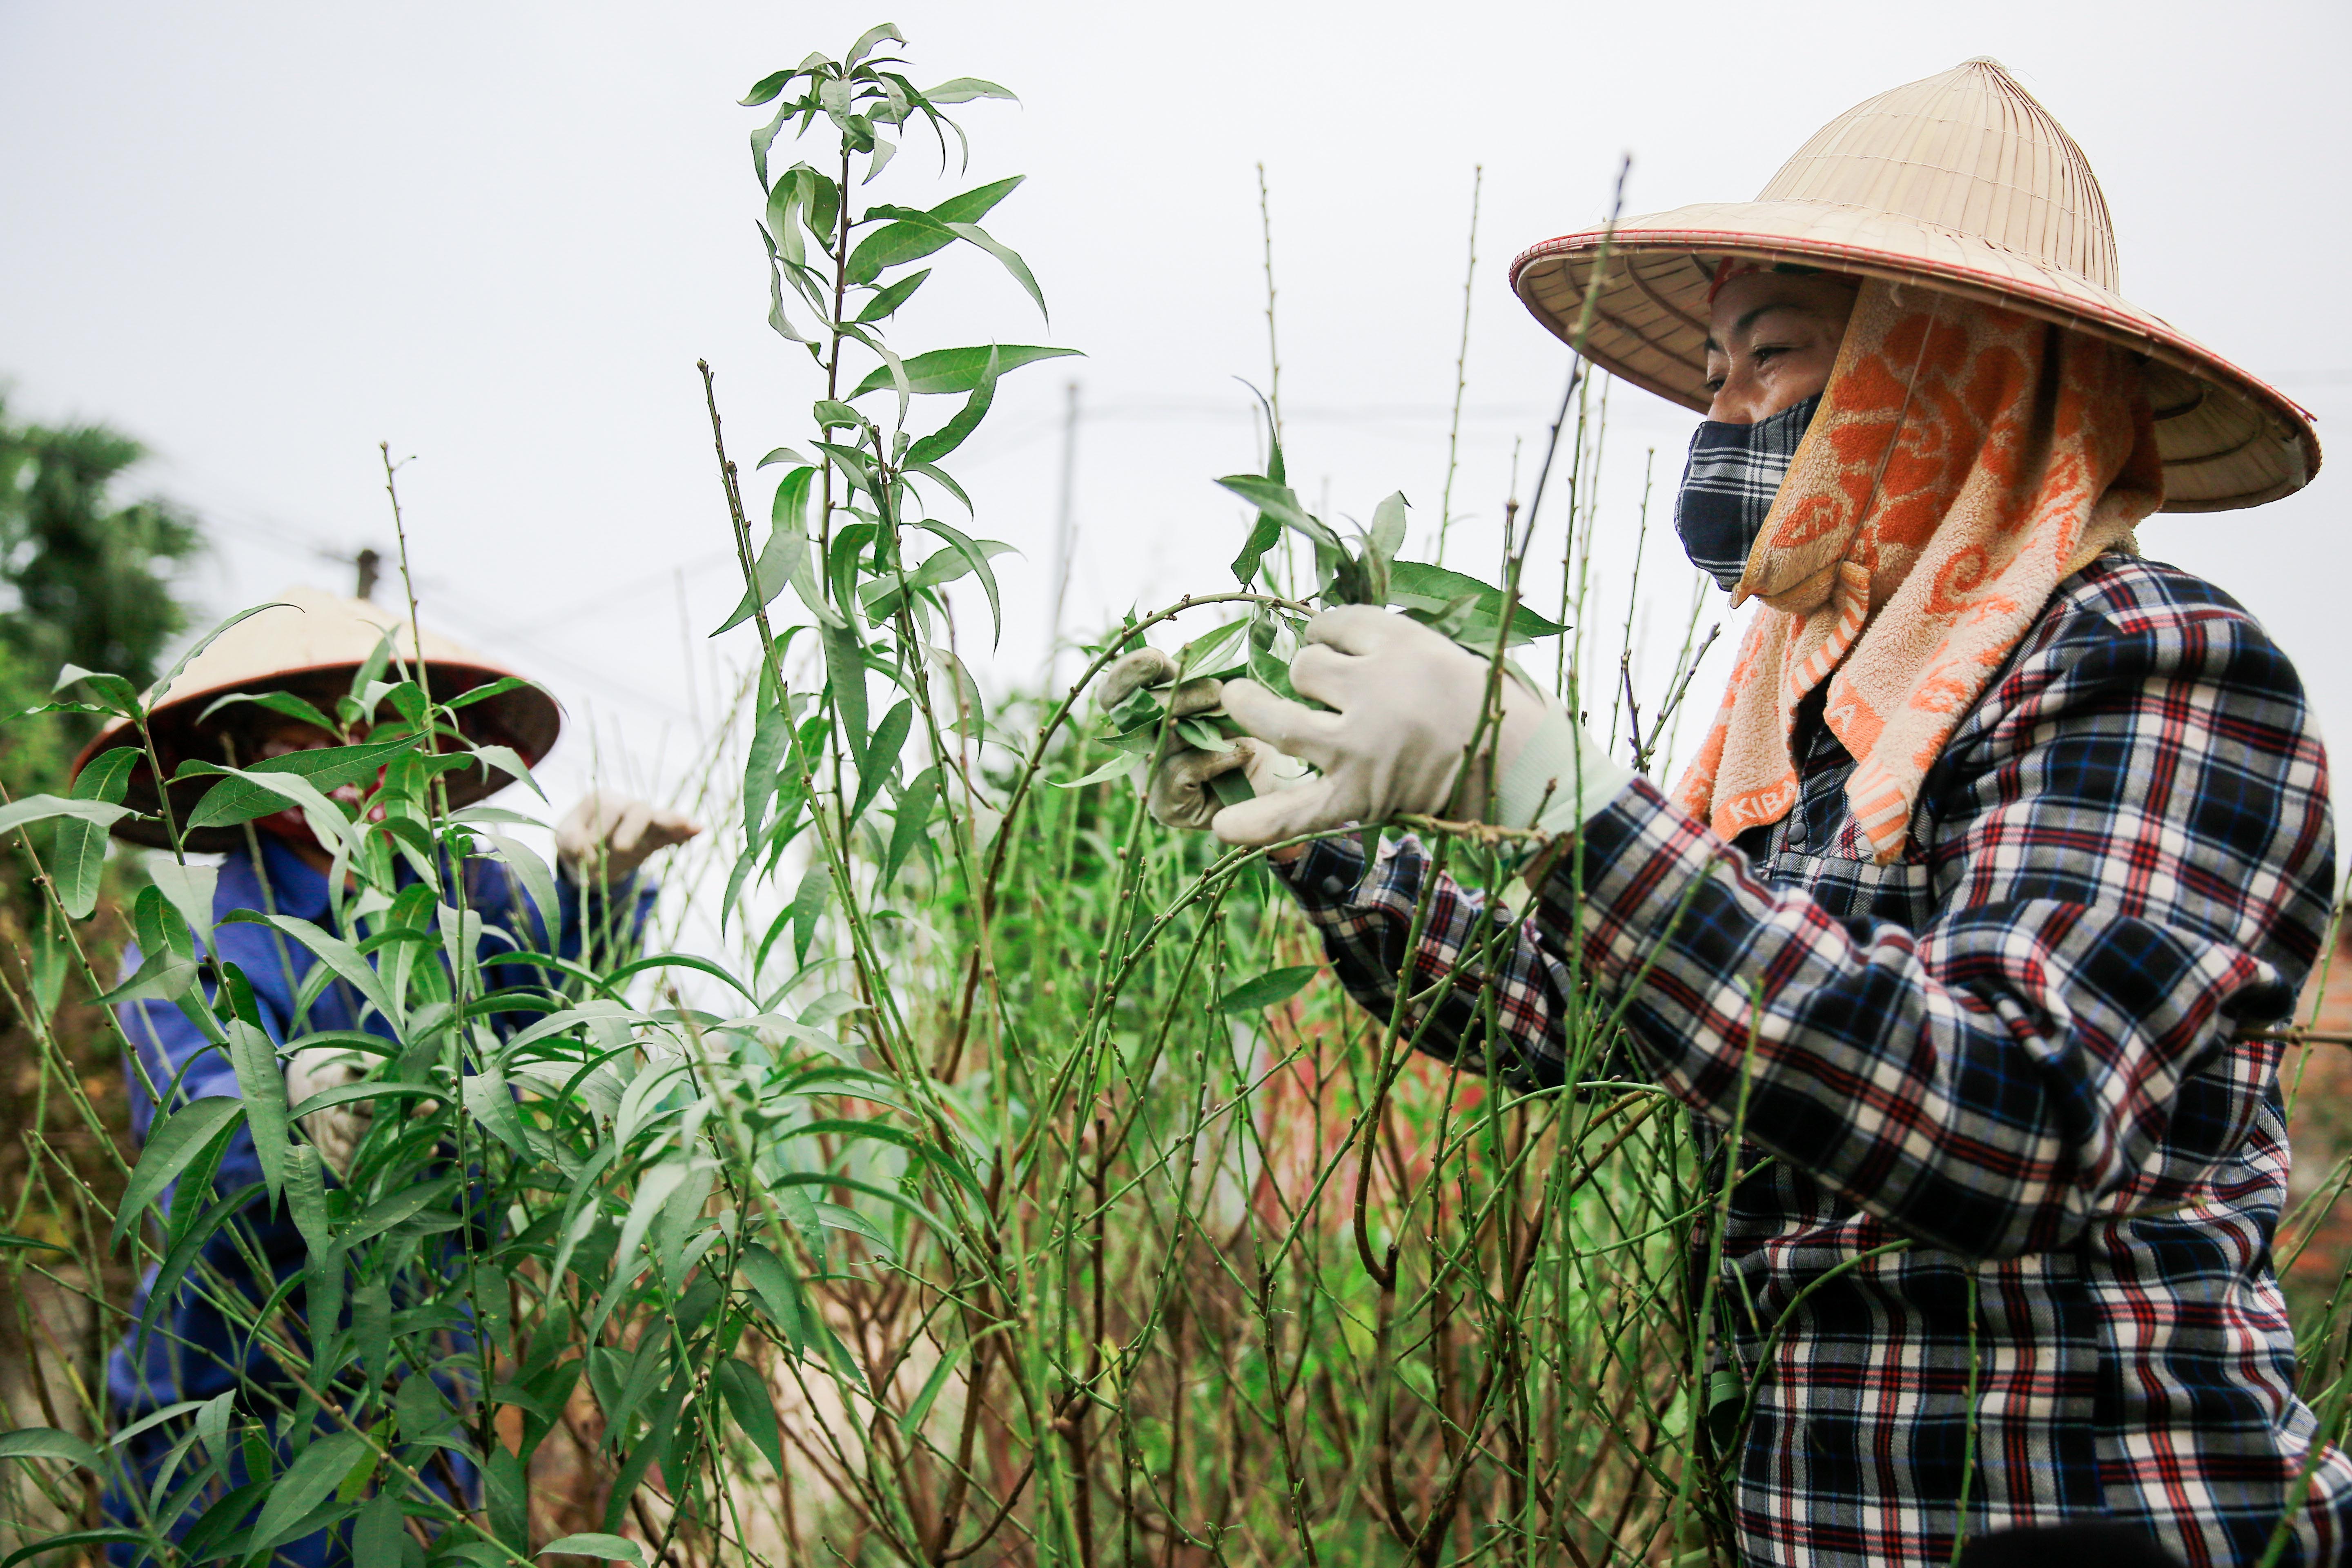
(1729, 483)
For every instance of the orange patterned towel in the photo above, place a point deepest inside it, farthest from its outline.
(1966, 459)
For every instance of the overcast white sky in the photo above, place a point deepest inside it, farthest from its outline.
(263, 236)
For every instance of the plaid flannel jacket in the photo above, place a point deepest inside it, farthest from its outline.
(2014, 1048)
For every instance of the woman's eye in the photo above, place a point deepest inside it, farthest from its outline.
(1765, 354)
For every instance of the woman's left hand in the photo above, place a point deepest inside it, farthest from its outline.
(606, 838)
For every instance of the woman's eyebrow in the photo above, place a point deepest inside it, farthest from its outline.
(1739, 328)
(1749, 319)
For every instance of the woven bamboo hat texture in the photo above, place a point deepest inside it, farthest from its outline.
(311, 643)
(1961, 183)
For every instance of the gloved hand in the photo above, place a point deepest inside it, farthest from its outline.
(606, 838)
(336, 1131)
(1178, 793)
(1405, 702)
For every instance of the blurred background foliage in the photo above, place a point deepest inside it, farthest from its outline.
(87, 577)
(92, 573)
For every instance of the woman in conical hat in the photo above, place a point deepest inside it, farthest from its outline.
(270, 686)
(2007, 854)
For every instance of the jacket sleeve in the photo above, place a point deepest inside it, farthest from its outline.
(2135, 867)
(1464, 947)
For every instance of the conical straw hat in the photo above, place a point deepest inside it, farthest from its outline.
(1961, 183)
(312, 642)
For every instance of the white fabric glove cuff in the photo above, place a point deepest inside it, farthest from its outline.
(1562, 778)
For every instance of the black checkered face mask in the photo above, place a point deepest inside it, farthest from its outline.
(1734, 472)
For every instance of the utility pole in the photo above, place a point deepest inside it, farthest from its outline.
(371, 566)
(1064, 530)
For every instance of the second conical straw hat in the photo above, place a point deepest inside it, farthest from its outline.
(1963, 184)
(311, 641)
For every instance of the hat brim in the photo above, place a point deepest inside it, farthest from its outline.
(525, 718)
(2228, 439)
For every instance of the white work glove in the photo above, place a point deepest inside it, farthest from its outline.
(606, 838)
(1404, 702)
(336, 1131)
(1178, 794)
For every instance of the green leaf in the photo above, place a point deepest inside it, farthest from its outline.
(1208, 651)
(107, 776)
(115, 694)
(538, 882)
(172, 1143)
(486, 1095)
(914, 816)
(833, 1179)
(868, 38)
(377, 1536)
(284, 702)
(1265, 666)
(371, 1326)
(977, 558)
(1119, 766)
(1275, 500)
(238, 798)
(1200, 733)
(881, 594)
(163, 975)
(35, 808)
(772, 735)
(964, 88)
(10, 1238)
(779, 1291)
(595, 1544)
(48, 1543)
(78, 857)
(1263, 535)
(929, 1395)
(886, 302)
(508, 1495)
(306, 1198)
(755, 1413)
(398, 1209)
(507, 761)
(765, 89)
(808, 905)
(931, 449)
(1416, 585)
(1007, 257)
(48, 1443)
(785, 558)
(332, 951)
(914, 237)
(164, 682)
(189, 887)
(303, 1486)
(1265, 990)
(959, 369)
(262, 1082)
(1388, 526)
(880, 763)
